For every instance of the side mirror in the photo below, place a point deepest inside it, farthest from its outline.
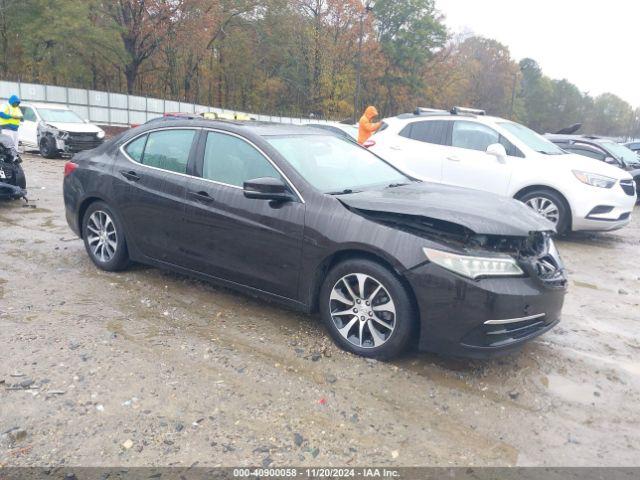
(497, 150)
(610, 160)
(267, 188)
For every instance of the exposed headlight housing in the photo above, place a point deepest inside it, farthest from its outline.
(100, 134)
(594, 179)
(475, 267)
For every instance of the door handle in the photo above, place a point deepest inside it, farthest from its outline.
(202, 197)
(130, 175)
(453, 159)
(394, 147)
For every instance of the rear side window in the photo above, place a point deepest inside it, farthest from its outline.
(232, 161)
(434, 131)
(165, 149)
(136, 148)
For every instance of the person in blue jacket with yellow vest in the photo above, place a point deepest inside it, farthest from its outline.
(10, 117)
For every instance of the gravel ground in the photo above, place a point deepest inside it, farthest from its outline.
(149, 368)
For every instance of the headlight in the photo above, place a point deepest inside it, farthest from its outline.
(63, 135)
(594, 179)
(475, 267)
(100, 134)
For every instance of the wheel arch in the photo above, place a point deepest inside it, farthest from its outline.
(354, 253)
(82, 209)
(532, 188)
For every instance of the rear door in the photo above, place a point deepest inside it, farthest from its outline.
(151, 191)
(251, 242)
(419, 148)
(466, 163)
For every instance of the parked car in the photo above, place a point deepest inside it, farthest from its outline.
(467, 148)
(634, 146)
(54, 130)
(601, 149)
(313, 221)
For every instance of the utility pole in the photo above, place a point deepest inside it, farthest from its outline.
(356, 99)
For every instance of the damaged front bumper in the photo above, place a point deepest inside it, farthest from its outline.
(480, 318)
(492, 315)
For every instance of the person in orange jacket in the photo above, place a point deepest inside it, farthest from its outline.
(366, 126)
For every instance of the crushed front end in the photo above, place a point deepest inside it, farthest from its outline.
(68, 143)
(488, 314)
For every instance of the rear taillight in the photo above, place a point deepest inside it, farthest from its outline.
(69, 168)
(369, 143)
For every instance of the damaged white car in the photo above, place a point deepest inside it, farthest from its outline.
(56, 130)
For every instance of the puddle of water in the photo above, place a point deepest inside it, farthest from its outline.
(571, 391)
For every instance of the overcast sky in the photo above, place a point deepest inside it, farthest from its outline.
(595, 44)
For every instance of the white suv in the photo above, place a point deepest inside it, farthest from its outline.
(466, 148)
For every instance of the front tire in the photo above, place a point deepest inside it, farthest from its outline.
(21, 179)
(550, 205)
(48, 148)
(104, 238)
(367, 310)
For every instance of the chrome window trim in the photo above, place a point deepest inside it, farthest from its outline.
(126, 155)
(278, 169)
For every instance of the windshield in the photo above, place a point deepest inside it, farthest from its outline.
(59, 116)
(531, 139)
(334, 165)
(621, 152)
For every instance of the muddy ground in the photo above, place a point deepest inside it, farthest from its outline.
(152, 368)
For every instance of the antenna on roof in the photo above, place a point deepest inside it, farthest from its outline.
(468, 111)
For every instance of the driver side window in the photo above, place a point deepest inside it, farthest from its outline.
(473, 136)
(232, 161)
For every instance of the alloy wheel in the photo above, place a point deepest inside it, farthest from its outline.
(545, 207)
(362, 310)
(102, 236)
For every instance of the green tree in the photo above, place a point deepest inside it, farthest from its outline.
(409, 33)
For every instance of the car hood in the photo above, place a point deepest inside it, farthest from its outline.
(482, 213)
(591, 165)
(76, 127)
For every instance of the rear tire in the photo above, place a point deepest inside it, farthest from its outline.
(104, 238)
(48, 148)
(550, 205)
(376, 323)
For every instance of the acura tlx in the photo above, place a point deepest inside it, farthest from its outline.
(319, 224)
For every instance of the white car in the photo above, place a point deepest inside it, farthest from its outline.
(466, 148)
(56, 129)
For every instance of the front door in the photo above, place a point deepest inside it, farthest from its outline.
(466, 163)
(28, 131)
(257, 243)
(150, 191)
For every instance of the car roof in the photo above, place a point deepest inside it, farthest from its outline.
(412, 117)
(262, 129)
